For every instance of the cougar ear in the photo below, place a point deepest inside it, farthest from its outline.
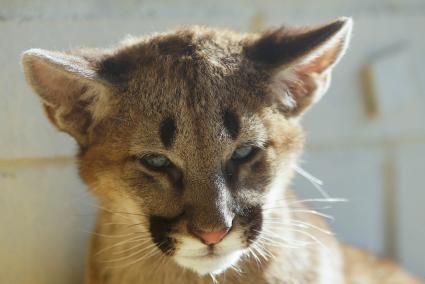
(73, 94)
(299, 61)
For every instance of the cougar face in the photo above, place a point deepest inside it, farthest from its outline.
(193, 133)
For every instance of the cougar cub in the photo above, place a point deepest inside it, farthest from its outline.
(189, 140)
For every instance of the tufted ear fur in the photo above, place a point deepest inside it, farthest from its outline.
(74, 96)
(299, 61)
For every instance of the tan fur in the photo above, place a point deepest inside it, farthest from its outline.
(113, 102)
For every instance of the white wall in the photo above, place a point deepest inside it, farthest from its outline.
(376, 163)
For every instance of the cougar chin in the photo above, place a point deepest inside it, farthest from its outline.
(209, 264)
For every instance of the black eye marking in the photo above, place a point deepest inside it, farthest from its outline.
(167, 132)
(231, 123)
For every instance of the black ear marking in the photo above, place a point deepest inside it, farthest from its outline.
(116, 68)
(283, 45)
(299, 61)
(168, 131)
(231, 123)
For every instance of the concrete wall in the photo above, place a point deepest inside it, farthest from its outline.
(377, 162)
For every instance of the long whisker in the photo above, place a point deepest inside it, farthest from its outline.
(142, 243)
(121, 224)
(301, 224)
(119, 213)
(317, 183)
(159, 262)
(262, 251)
(112, 236)
(286, 240)
(313, 238)
(257, 260)
(286, 206)
(318, 200)
(306, 225)
(131, 240)
(256, 248)
(153, 251)
(327, 216)
(275, 243)
(214, 279)
(236, 269)
(130, 255)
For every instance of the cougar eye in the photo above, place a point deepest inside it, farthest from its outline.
(243, 152)
(155, 161)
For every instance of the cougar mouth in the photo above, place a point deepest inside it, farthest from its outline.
(209, 262)
(214, 259)
(190, 252)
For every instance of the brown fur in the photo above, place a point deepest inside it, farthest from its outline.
(195, 95)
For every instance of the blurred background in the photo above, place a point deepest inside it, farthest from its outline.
(366, 138)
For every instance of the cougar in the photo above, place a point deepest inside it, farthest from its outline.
(189, 140)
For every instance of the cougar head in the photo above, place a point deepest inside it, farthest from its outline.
(193, 132)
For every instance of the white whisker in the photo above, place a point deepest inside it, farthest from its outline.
(286, 240)
(112, 236)
(143, 243)
(214, 279)
(152, 252)
(257, 260)
(313, 238)
(300, 224)
(135, 239)
(319, 200)
(317, 183)
(130, 255)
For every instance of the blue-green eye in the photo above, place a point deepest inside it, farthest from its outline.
(242, 152)
(156, 161)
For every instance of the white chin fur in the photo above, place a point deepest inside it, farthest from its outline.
(209, 264)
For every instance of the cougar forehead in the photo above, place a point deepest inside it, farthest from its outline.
(189, 71)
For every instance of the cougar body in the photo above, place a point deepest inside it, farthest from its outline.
(189, 140)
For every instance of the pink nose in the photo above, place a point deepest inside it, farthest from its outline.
(212, 238)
